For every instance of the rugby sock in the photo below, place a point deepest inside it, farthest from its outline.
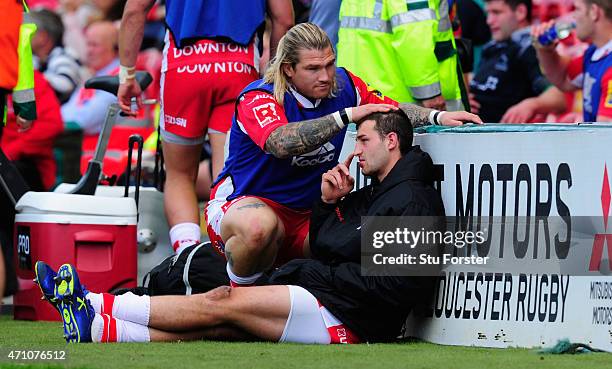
(96, 301)
(236, 281)
(128, 306)
(105, 328)
(183, 235)
(101, 302)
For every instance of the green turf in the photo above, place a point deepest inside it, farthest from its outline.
(20, 335)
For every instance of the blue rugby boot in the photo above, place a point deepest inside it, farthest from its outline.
(45, 279)
(77, 312)
(67, 283)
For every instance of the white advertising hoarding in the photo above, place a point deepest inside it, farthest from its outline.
(562, 173)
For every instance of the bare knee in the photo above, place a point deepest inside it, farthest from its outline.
(256, 233)
(260, 233)
(214, 304)
(219, 293)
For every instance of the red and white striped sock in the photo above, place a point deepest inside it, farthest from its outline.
(183, 235)
(105, 329)
(101, 302)
(128, 306)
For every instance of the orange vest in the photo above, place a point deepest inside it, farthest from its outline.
(10, 19)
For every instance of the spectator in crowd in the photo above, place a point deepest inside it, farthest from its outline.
(323, 300)
(87, 108)
(509, 86)
(31, 150)
(591, 72)
(76, 16)
(60, 67)
(288, 130)
(407, 51)
(212, 54)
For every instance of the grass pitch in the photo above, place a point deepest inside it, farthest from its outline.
(21, 335)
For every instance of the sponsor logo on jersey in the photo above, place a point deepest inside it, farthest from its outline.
(323, 154)
(182, 122)
(259, 97)
(375, 92)
(608, 103)
(265, 114)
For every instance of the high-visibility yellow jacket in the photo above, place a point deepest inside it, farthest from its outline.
(24, 102)
(404, 48)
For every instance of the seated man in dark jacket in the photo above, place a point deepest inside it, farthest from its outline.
(323, 300)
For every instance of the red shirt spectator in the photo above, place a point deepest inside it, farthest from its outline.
(36, 144)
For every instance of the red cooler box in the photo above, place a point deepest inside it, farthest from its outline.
(96, 234)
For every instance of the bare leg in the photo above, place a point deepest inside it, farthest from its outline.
(261, 311)
(219, 333)
(252, 233)
(204, 181)
(217, 145)
(180, 200)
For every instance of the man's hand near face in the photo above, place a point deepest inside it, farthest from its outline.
(337, 182)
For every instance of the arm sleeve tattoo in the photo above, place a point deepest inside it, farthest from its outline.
(301, 137)
(418, 115)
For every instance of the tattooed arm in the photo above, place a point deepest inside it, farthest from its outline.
(305, 136)
(418, 115)
(301, 137)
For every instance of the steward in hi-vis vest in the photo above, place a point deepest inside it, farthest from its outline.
(405, 48)
(16, 68)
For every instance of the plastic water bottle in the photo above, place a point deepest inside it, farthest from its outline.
(558, 31)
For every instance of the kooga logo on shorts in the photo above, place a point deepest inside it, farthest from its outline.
(321, 155)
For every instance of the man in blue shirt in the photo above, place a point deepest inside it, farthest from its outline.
(508, 86)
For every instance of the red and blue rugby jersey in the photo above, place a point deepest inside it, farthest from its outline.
(294, 182)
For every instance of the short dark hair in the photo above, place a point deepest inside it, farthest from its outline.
(50, 22)
(605, 5)
(513, 4)
(395, 121)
